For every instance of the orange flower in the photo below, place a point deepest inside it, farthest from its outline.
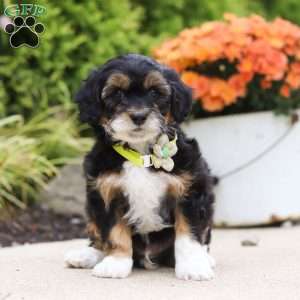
(190, 78)
(285, 91)
(239, 83)
(203, 86)
(251, 45)
(295, 67)
(221, 89)
(199, 84)
(246, 66)
(212, 104)
(232, 52)
(265, 84)
(293, 80)
(265, 60)
(293, 76)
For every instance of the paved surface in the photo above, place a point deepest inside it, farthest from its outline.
(270, 270)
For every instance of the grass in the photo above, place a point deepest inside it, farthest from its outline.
(31, 152)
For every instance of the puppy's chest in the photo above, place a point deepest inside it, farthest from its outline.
(150, 195)
(145, 191)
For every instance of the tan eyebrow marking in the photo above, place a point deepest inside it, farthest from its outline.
(116, 80)
(155, 79)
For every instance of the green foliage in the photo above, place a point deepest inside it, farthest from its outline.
(170, 16)
(77, 38)
(22, 169)
(31, 151)
(288, 9)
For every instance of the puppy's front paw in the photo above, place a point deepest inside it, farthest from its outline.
(194, 270)
(113, 267)
(86, 258)
(192, 261)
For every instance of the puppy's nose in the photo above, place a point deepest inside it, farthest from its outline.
(138, 118)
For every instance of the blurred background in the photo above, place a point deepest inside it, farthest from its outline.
(39, 130)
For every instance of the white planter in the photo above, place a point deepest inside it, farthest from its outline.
(267, 189)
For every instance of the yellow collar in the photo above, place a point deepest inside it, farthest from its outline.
(133, 156)
(161, 158)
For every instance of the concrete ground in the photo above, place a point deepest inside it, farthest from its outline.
(270, 270)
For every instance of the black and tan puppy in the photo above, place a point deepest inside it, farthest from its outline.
(143, 215)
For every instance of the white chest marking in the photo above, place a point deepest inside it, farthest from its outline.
(145, 190)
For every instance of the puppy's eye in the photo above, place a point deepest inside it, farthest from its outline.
(154, 93)
(112, 92)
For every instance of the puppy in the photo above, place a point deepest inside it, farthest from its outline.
(151, 214)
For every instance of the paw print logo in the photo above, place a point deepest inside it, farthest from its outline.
(24, 32)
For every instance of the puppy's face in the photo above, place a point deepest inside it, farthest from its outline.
(136, 105)
(133, 98)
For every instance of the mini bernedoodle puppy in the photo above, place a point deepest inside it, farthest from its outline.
(149, 190)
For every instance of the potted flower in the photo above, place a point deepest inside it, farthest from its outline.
(245, 77)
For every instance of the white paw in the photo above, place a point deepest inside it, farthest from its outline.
(86, 258)
(194, 270)
(113, 267)
(192, 260)
(212, 261)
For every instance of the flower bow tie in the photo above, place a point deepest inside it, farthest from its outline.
(163, 150)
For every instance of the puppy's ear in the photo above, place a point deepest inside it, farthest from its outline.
(88, 99)
(181, 96)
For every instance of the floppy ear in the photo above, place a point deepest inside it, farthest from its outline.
(88, 99)
(181, 96)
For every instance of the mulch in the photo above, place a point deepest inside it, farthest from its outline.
(39, 224)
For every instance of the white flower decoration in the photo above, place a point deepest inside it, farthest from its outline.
(163, 151)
